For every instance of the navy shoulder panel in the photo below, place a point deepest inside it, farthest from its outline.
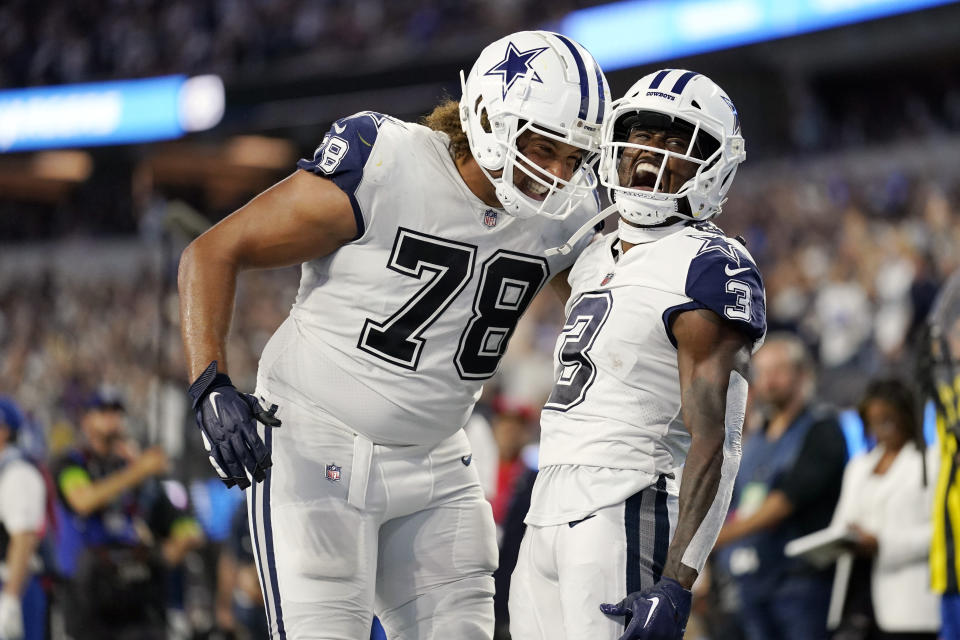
(723, 278)
(343, 155)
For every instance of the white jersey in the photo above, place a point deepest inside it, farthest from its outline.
(394, 333)
(22, 494)
(612, 424)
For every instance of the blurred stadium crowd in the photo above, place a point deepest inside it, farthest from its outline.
(852, 261)
(72, 42)
(854, 219)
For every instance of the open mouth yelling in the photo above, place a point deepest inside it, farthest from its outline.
(645, 177)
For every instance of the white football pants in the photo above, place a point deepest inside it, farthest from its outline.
(343, 529)
(564, 572)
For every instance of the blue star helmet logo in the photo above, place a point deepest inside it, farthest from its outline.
(718, 243)
(515, 64)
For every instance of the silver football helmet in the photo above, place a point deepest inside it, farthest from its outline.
(674, 98)
(544, 83)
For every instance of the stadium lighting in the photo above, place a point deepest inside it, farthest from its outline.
(687, 27)
(102, 113)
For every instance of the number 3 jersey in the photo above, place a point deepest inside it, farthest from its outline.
(393, 333)
(612, 424)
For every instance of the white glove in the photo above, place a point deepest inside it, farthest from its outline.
(11, 617)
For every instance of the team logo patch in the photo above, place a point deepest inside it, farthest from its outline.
(466, 460)
(607, 278)
(490, 218)
(333, 473)
(720, 244)
(515, 64)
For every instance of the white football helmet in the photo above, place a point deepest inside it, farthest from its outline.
(541, 82)
(716, 146)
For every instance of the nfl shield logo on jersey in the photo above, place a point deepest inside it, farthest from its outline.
(333, 473)
(490, 217)
(607, 278)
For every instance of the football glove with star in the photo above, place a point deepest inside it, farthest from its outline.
(228, 424)
(657, 613)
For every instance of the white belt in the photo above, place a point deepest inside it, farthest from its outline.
(360, 472)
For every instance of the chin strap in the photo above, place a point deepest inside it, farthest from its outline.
(628, 232)
(587, 227)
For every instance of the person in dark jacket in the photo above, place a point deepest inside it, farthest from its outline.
(787, 487)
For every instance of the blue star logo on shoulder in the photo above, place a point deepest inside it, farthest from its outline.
(515, 64)
(718, 243)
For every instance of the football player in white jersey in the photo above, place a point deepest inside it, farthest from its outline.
(421, 247)
(651, 376)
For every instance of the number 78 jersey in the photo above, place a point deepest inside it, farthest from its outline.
(616, 397)
(394, 333)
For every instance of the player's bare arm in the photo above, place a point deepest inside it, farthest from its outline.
(300, 218)
(708, 350)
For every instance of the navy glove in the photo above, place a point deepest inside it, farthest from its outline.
(226, 419)
(658, 613)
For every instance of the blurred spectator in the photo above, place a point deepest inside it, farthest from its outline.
(485, 456)
(239, 605)
(883, 591)
(119, 530)
(941, 369)
(507, 463)
(788, 485)
(512, 430)
(511, 531)
(23, 603)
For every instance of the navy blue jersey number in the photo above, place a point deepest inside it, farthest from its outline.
(450, 265)
(508, 282)
(577, 371)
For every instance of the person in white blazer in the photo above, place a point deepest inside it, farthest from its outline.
(882, 588)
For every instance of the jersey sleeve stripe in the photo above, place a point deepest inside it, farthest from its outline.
(312, 167)
(669, 311)
(357, 215)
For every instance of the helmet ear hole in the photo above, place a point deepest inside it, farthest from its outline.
(485, 121)
(726, 179)
(481, 112)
